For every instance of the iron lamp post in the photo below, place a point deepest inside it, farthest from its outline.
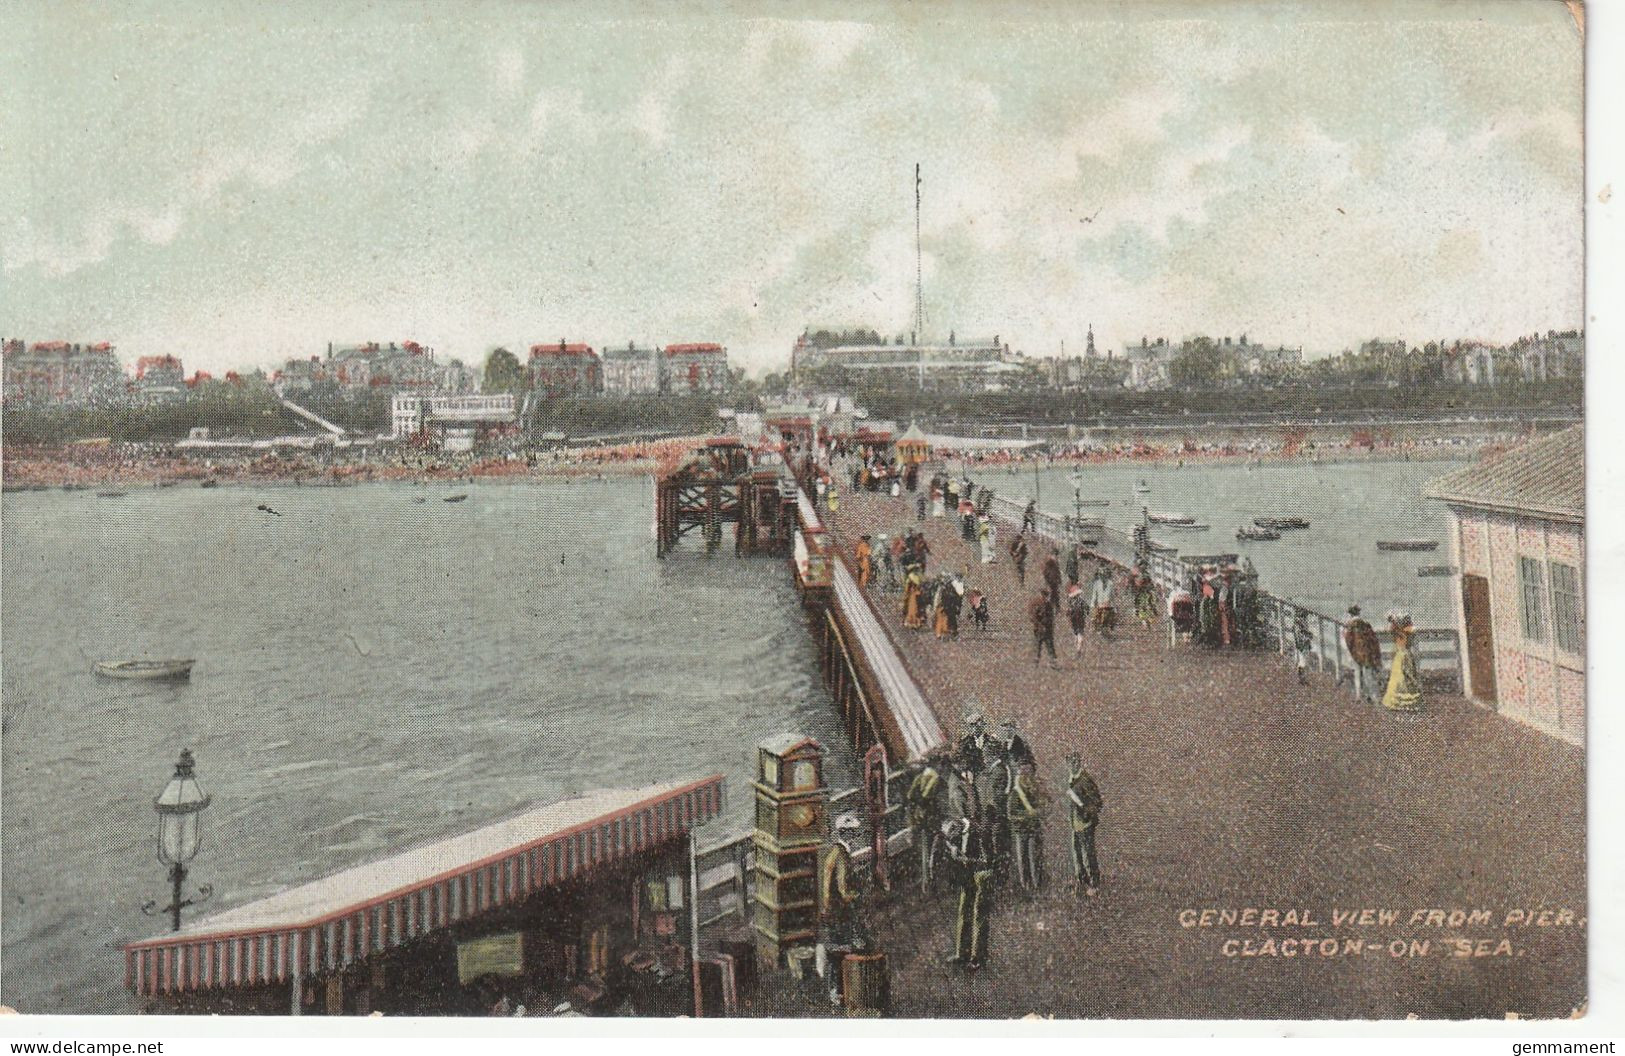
(179, 808)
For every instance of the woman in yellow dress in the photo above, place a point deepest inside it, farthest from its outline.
(1404, 681)
(913, 587)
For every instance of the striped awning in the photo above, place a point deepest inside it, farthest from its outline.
(338, 919)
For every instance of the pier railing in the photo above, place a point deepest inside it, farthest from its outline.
(1085, 530)
(1437, 650)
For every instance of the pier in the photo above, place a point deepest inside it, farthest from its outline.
(1227, 784)
(1228, 787)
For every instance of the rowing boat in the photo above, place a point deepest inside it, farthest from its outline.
(1407, 544)
(147, 670)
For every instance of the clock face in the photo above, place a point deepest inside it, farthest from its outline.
(801, 820)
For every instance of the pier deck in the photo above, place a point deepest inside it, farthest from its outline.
(1228, 785)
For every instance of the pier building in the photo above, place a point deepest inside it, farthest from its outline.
(1518, 540)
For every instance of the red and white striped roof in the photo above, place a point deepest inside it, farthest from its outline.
(341, 918)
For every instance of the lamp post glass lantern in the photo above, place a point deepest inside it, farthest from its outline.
(179, 807)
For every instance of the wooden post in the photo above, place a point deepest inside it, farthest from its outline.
(1337, 650)
(1280, 622)
(694, 920)
(335, 994)
(296, 989)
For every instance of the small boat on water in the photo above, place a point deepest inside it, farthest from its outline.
(1257, 535)
(1182, 526)
(456, 498)
(1281, 524)
(210, 483)
(1407, 544)
(419, 498)
(1169, 518)
(1093, 502)
(145, 670)
(1436, 570)
(111, 494)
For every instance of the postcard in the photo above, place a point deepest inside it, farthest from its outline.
(996, 510)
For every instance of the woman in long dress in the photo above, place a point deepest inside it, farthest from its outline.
(1404, 681)
(940, 622)
(912, 589)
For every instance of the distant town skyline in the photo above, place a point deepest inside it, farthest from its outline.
(1307, 174)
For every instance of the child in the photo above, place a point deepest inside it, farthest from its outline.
(978, 609)
(1301, 641)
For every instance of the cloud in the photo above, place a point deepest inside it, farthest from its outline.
(535, 171)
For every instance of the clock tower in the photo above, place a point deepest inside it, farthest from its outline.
(792, 825)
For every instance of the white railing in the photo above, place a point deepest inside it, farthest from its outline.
(1437, 650)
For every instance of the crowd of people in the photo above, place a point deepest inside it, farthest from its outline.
(980, 807)
(979, 814)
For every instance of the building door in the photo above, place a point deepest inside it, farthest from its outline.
(1480, 644)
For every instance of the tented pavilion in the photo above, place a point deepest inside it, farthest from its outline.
(913, 447)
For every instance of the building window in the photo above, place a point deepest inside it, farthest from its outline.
(1532, 578)
(1568, 616)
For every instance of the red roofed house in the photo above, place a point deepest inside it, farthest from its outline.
(63, 373)
(698, 367)
(565, 369)
(1520, 545)
(159, 377)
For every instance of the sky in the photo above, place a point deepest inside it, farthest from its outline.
(240, 183)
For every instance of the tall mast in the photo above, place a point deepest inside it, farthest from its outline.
(919, 281)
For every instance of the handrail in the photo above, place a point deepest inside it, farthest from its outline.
(1168, 570)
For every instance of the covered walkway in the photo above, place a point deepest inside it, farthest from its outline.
(447, 892)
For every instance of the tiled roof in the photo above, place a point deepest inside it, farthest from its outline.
(560, 349)
(704, 347)
(1545, 476)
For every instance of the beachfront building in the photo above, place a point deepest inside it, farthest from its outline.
(565, 369)
(62, 373)
(372, 366)
(1557, 354)
(1091, 370)
(631, 371)
(452, 418)
(1148, 363)
(1154, 364)
(694, 367)
(583, 902)
(393, 367)
(864, 357)
(159, 378)
(1519, 542)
